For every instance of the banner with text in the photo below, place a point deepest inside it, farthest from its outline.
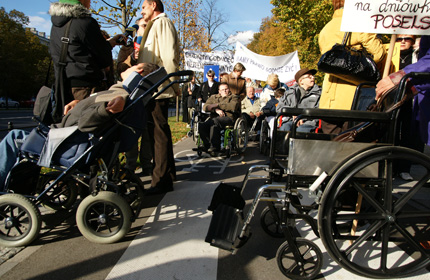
(387, 16)
(258, 67)
(196, 61)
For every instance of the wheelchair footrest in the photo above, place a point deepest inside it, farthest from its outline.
(225, 228)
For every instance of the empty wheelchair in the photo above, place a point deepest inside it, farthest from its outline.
(369, 223)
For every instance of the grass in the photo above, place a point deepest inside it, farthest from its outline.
(179, 129)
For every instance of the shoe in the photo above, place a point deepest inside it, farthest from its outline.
(406, 176)
(157, 190)
(188, 126)
(213, 150)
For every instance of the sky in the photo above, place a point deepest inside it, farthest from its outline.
(244, 16)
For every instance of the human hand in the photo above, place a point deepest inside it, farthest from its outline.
(136, 68)
(114, 41)
(251, 114)
(383, 86)
(220, 112)
(258, 114)
(300, 122)
(116, 105)
(70, 106)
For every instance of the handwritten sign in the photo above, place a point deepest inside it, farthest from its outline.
(196, 61)
(387, 16)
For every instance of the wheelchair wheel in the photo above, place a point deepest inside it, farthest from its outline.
(20, 220)
(63, 195)
(271, 226)
(196, 131)
(104, 218)
(306, 268)
(240, 136)
(264, 138)
(375, 226)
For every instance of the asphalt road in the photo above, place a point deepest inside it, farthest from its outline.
(167, 240)
(17, 118)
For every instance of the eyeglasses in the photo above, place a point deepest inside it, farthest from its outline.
(400, 39)
(307, 76)
(209, 76)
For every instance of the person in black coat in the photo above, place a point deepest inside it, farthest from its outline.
(88, 52)
(208, 88)
(189, 95)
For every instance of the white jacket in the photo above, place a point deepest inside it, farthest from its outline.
(162, 48)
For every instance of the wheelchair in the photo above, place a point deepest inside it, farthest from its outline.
(234, 139)
(369, 223)
(111, 196)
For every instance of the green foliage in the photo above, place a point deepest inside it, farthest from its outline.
(24, 61)
(295, 25)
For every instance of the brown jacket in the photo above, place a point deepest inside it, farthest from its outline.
(229, 104)
(237, 85)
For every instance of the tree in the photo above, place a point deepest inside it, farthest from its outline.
(212, 19)
(272, 40)
(185, 16)
(24, 61)
(115, 13)
(303, 21)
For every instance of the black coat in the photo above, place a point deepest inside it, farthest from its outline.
(206, 91)
(88, 51)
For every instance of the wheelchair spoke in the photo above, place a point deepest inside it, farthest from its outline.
(372, 201)
(369, 232)
(408, 196)
(409, 238)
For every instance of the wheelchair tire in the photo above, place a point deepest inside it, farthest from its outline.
(307, 268)
(240, 136)
(264, 138)
(388, 219)
(104, 218)
(195, 131)
(270, 226)
(62, 196)
(20, 220)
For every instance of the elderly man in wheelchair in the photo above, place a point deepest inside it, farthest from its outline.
(224, 109)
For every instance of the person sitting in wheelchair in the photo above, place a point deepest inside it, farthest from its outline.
(224, 109)
(304, 94)
(269, 110)
(251, 110)
(92, 114)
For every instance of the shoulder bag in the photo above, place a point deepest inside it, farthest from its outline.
(349, 64)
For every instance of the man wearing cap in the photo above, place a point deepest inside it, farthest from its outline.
(304, 94)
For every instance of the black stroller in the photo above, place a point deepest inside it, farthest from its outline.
(85, 161)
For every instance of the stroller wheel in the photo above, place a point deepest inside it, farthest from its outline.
(63, 195)
(20, 220)
(309, 264)
(104, 218)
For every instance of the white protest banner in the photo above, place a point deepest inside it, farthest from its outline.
(196, 61)
(387, 16)
(260, 66)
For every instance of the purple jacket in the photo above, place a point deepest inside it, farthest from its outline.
(421, 109)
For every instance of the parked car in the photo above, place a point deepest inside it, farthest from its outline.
(11, 103)
(27, 103)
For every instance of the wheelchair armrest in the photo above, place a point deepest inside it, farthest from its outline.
(345, 115)
(290, 112)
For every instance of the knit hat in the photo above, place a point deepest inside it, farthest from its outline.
(71, 2)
